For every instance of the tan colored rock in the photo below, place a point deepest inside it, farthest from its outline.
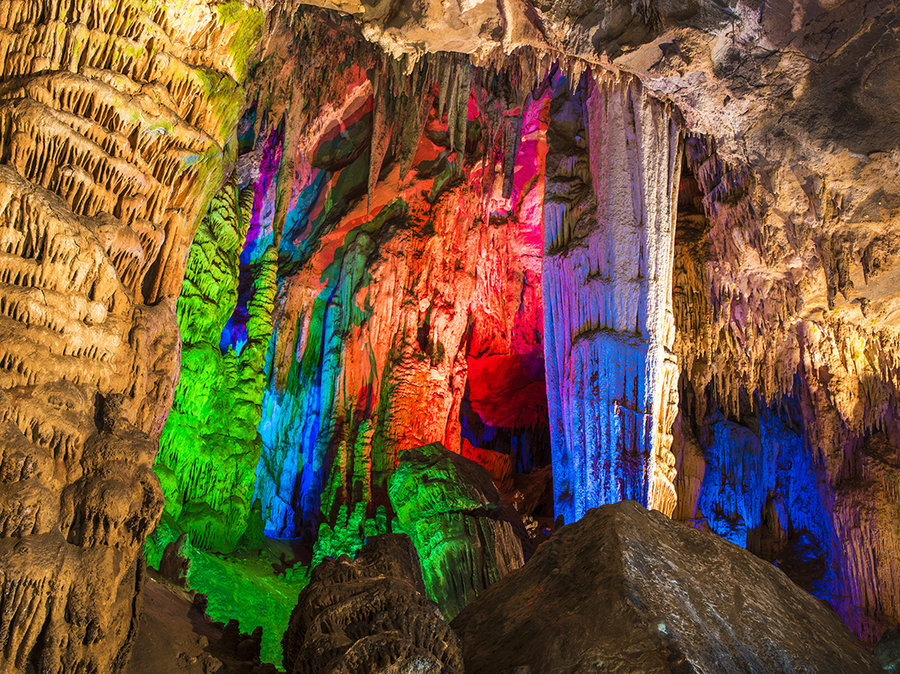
(113, 119)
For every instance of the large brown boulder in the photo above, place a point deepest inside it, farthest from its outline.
(628, 590)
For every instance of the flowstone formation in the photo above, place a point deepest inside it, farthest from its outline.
(210, 445)
(113, 120)
(370, 615)
(451, 510)
(657, 596)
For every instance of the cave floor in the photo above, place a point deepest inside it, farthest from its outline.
(173, 638)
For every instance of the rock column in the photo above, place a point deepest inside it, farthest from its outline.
(613, 167)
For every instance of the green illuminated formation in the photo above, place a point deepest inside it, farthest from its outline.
(210, 446)
(450, 508)
(351, 526)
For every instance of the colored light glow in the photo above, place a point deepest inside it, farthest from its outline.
(608, 240)
(241, 586)
(771, 470)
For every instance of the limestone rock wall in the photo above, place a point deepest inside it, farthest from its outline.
(394, 284)
(780, 323)
(113, 119)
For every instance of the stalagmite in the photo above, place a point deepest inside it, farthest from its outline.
(612, 176)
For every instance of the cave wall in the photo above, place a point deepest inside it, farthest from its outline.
(421, 277)
(389, 294)
(113, 123)
(790, 399)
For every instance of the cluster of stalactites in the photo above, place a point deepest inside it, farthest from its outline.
(466, 110)
(494, 91)
(748, 343)
(331, 57)
(210, 445)
(738, 336)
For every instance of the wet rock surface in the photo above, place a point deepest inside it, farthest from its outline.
(887, 652)
(626, 589)
(370, 615)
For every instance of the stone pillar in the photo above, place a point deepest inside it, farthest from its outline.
(613, 166)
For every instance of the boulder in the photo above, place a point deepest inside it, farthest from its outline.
(369, 615)
(628, 590)
(451, 509)
(888, 650)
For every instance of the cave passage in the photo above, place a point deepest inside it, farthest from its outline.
(457, 269)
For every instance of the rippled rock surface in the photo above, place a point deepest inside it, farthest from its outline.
(370, 615)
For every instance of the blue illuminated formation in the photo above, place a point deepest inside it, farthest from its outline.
(295, 426)
(763, 491)
(612, 168)
(298, 412)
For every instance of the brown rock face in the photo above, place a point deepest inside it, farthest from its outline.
(626, 589)
(370, 615)
(112, 122)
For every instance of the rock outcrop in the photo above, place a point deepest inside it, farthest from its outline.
(175, 637)
(113, 122)
(626, 589)
(369, 615)
(451, 510)
(887, 652)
